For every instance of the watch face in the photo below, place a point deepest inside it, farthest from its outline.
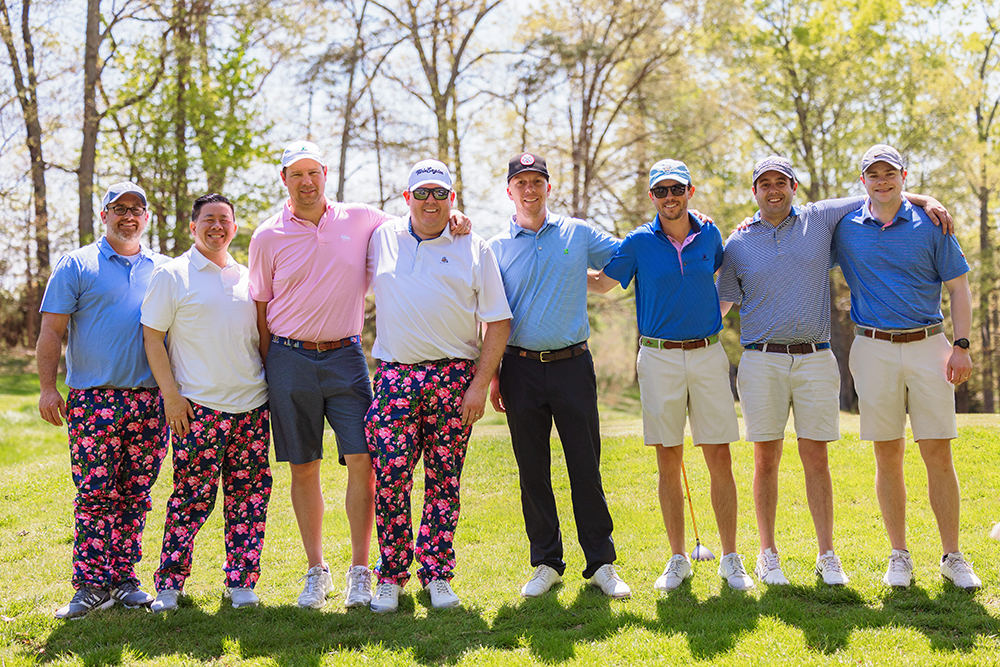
(962, 343)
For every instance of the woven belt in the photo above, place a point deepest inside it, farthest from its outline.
(321, 346)
(789, 348)
(546, 356)
(898, 336)
(659, 344)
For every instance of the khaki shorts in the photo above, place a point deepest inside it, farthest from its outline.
(895, 378)
(694, 382)
(769, 384)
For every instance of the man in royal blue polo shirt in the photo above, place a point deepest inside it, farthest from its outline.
(787, 362)
(117, 433)
(547, 374)
(682, 367)
(895, 262)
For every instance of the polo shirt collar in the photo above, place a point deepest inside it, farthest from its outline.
(696, 225)
(287, 215)
(446, 234)
(516, 229)
(794, 213)
(903, 215)
(105, 248)
(200, 262)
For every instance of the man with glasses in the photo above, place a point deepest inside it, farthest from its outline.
(682, 367)
(307, 275)
(787, 362)
(432, 290)
(548, 375)
(114, 411)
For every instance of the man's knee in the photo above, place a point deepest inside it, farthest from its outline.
(718, 459)
(359, 468)
(305, 472)
(767, 457)
(814, 455)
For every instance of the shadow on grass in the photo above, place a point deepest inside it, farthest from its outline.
(543, 626)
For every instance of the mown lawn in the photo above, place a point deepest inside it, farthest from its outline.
(701, 623)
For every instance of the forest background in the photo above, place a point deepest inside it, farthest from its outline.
(193, 96)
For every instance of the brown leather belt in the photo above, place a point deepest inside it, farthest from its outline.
(789, 348)
(660, 344)
(321, 346)
(897, 336)
(545, 356)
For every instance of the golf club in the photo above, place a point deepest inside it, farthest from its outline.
(699, 552)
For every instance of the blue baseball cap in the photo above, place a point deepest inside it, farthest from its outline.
(782, 165)
(672, 169)
(123, 188)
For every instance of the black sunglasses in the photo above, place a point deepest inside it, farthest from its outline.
(661, 191)
(423, 193)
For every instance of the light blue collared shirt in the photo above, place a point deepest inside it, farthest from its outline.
(545, 278)
(102, 293)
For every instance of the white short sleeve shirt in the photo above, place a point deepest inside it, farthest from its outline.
(211, 325)
(430, 296)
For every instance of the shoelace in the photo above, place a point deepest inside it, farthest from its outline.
(831, 563)
(312, 580)
(959, 565)
(363, 582)
(440, 586)
(539, 572)
(611, 572)
(383, 590)
(771, 561)
(674, 566)
(737, 564)
(899, 564)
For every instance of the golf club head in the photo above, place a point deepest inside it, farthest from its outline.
(995, 533)
(701, 553)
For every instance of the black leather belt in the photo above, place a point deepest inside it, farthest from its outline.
(788, 348)
(545, 356)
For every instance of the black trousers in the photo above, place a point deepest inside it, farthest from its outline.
(534, 394)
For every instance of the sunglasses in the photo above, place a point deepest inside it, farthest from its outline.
(423, 193)
(661, 191)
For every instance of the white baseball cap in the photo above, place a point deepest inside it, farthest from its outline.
(429, 172)
(301, 150)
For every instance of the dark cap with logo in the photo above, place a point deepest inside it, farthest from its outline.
(526, 162)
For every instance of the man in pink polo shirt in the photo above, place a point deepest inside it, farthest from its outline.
(308, 277)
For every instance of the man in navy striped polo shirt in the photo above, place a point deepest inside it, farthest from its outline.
(787, 361)
(682, 368)
(547, 374)
(895, 263)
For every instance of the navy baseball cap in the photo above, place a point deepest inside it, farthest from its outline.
(882, 153)
(526, 162)
(782, 165)
(672, 169)
(123, 188)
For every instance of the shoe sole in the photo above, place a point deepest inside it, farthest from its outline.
(357, 603)
(77, 617)
(896, 585)
(386, 610)
(962, 588)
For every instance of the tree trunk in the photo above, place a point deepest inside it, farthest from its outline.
(986, 283)
(91, 122)
(183, 46)
(841, 337)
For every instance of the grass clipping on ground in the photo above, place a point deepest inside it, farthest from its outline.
(702, 622)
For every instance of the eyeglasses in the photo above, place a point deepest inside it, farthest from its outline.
(423, 193)
(136, 211)
(661, 191)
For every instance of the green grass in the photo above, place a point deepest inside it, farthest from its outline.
(701, 623)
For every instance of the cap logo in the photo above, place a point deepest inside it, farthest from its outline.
(428, 170)
(527, 160)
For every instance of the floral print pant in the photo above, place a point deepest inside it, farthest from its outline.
(117, 441)
(235, 448)
(417, 412)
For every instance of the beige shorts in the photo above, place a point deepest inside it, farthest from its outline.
(693, 382)
(769, 384)
(895, 378)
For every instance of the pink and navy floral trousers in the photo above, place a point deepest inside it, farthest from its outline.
(417, 412)
(233, 447)
(117, 441)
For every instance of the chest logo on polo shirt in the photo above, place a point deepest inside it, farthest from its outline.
(345, 237)
(566, 251)
(444, 260)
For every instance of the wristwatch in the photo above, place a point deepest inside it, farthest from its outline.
(962, 343)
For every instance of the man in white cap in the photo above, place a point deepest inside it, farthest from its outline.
(895, 263)
(787, 363)
(117, 433)
(683, 370)
(307, 275)
(432, 291)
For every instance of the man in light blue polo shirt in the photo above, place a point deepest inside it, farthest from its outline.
(895, 262)
(117, 433)
(547, 374)
(683, 370)
(787, 362)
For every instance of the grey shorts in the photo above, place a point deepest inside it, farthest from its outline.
(306, 386)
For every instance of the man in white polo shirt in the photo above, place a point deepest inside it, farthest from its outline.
(215, 400)
(432, 291)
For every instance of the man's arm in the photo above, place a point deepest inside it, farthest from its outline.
(724, 306)
(960, 362)
(494, 344)
(599, 282)
(176, 408)
(935, 210)
(48, 349)
(264, 335)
